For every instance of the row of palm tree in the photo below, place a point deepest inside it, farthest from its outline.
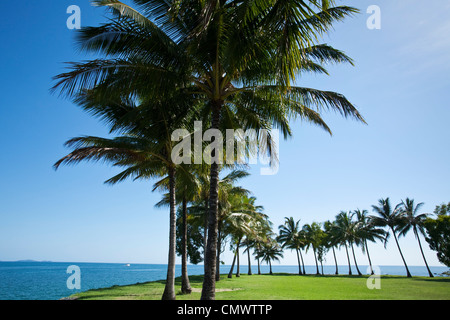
(355, 228)
(164, 64)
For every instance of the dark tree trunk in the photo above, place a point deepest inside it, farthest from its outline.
(185, 284)
(209, 281)
(219, 247)
(249, 263)
(368, 256)
(335, 260)
(315, 258)
(230, 274)
(408, 274)
(354, 258)
(298, 261)
(303, 263)
(348, 260)
(169, 290)
(423, 256)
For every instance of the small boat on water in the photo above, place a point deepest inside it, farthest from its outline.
(127, 265)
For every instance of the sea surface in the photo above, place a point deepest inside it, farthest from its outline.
(51, 280)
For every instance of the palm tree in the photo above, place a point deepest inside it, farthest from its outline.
(342, 230)
(365, 230)
(314, 236)
(415, 221)
(269, 252)
(187, 187)
(332, 239)
(145, 151)
(235, 57)
(289, 237)
(393, 219)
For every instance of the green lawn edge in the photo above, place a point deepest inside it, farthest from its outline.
(282, 286)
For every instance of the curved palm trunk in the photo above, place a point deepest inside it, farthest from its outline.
(230, 274)
(270, 267)
(423, 256)
(298, 260)
(209, 280)
(238, 270)
(335, 260)
(368, 256)
(303, 263)
(169, 290)
(348, 260)
(317, 265)
(249, 263)
(401, 254)
(185, 284)
(354, 259)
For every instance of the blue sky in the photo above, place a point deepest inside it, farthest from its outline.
(399, 83)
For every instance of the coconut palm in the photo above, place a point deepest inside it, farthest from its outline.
(145, 151)
(314, 236)
(289, 237)
(237, 57)
(331, 239)
(392, 219)
(366, 231)
(343, 229)
(414, 221)
(269, 252)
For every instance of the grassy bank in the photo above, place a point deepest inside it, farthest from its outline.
(287, 287)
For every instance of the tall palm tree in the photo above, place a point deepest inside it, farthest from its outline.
(314, 236)
(269, 252)
(366, 231)
(187, 187)
(237, 57)
(393, 219)
(342, 233)
(414, 221)
(289, 237)
(145, 151)
(332, 239)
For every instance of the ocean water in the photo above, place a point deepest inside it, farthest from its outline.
(49, 280)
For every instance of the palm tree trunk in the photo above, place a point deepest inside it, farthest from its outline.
(423, 256)
(209, 280)
(169, 290)
(238, 274)
(270, 267)
(401, 254)
(298, 260)
(249, 263)
(238, 270)
(315, 258)
(303, 263)
(354, 258)
(219, 247)
(257, 259)
(335, 260)
(230, 274)
(348, 259)
(185, 284)
(368, 256)
(205, 230)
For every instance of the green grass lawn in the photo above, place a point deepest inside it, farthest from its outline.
(288, 287)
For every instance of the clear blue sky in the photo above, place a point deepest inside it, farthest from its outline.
(400, 83)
